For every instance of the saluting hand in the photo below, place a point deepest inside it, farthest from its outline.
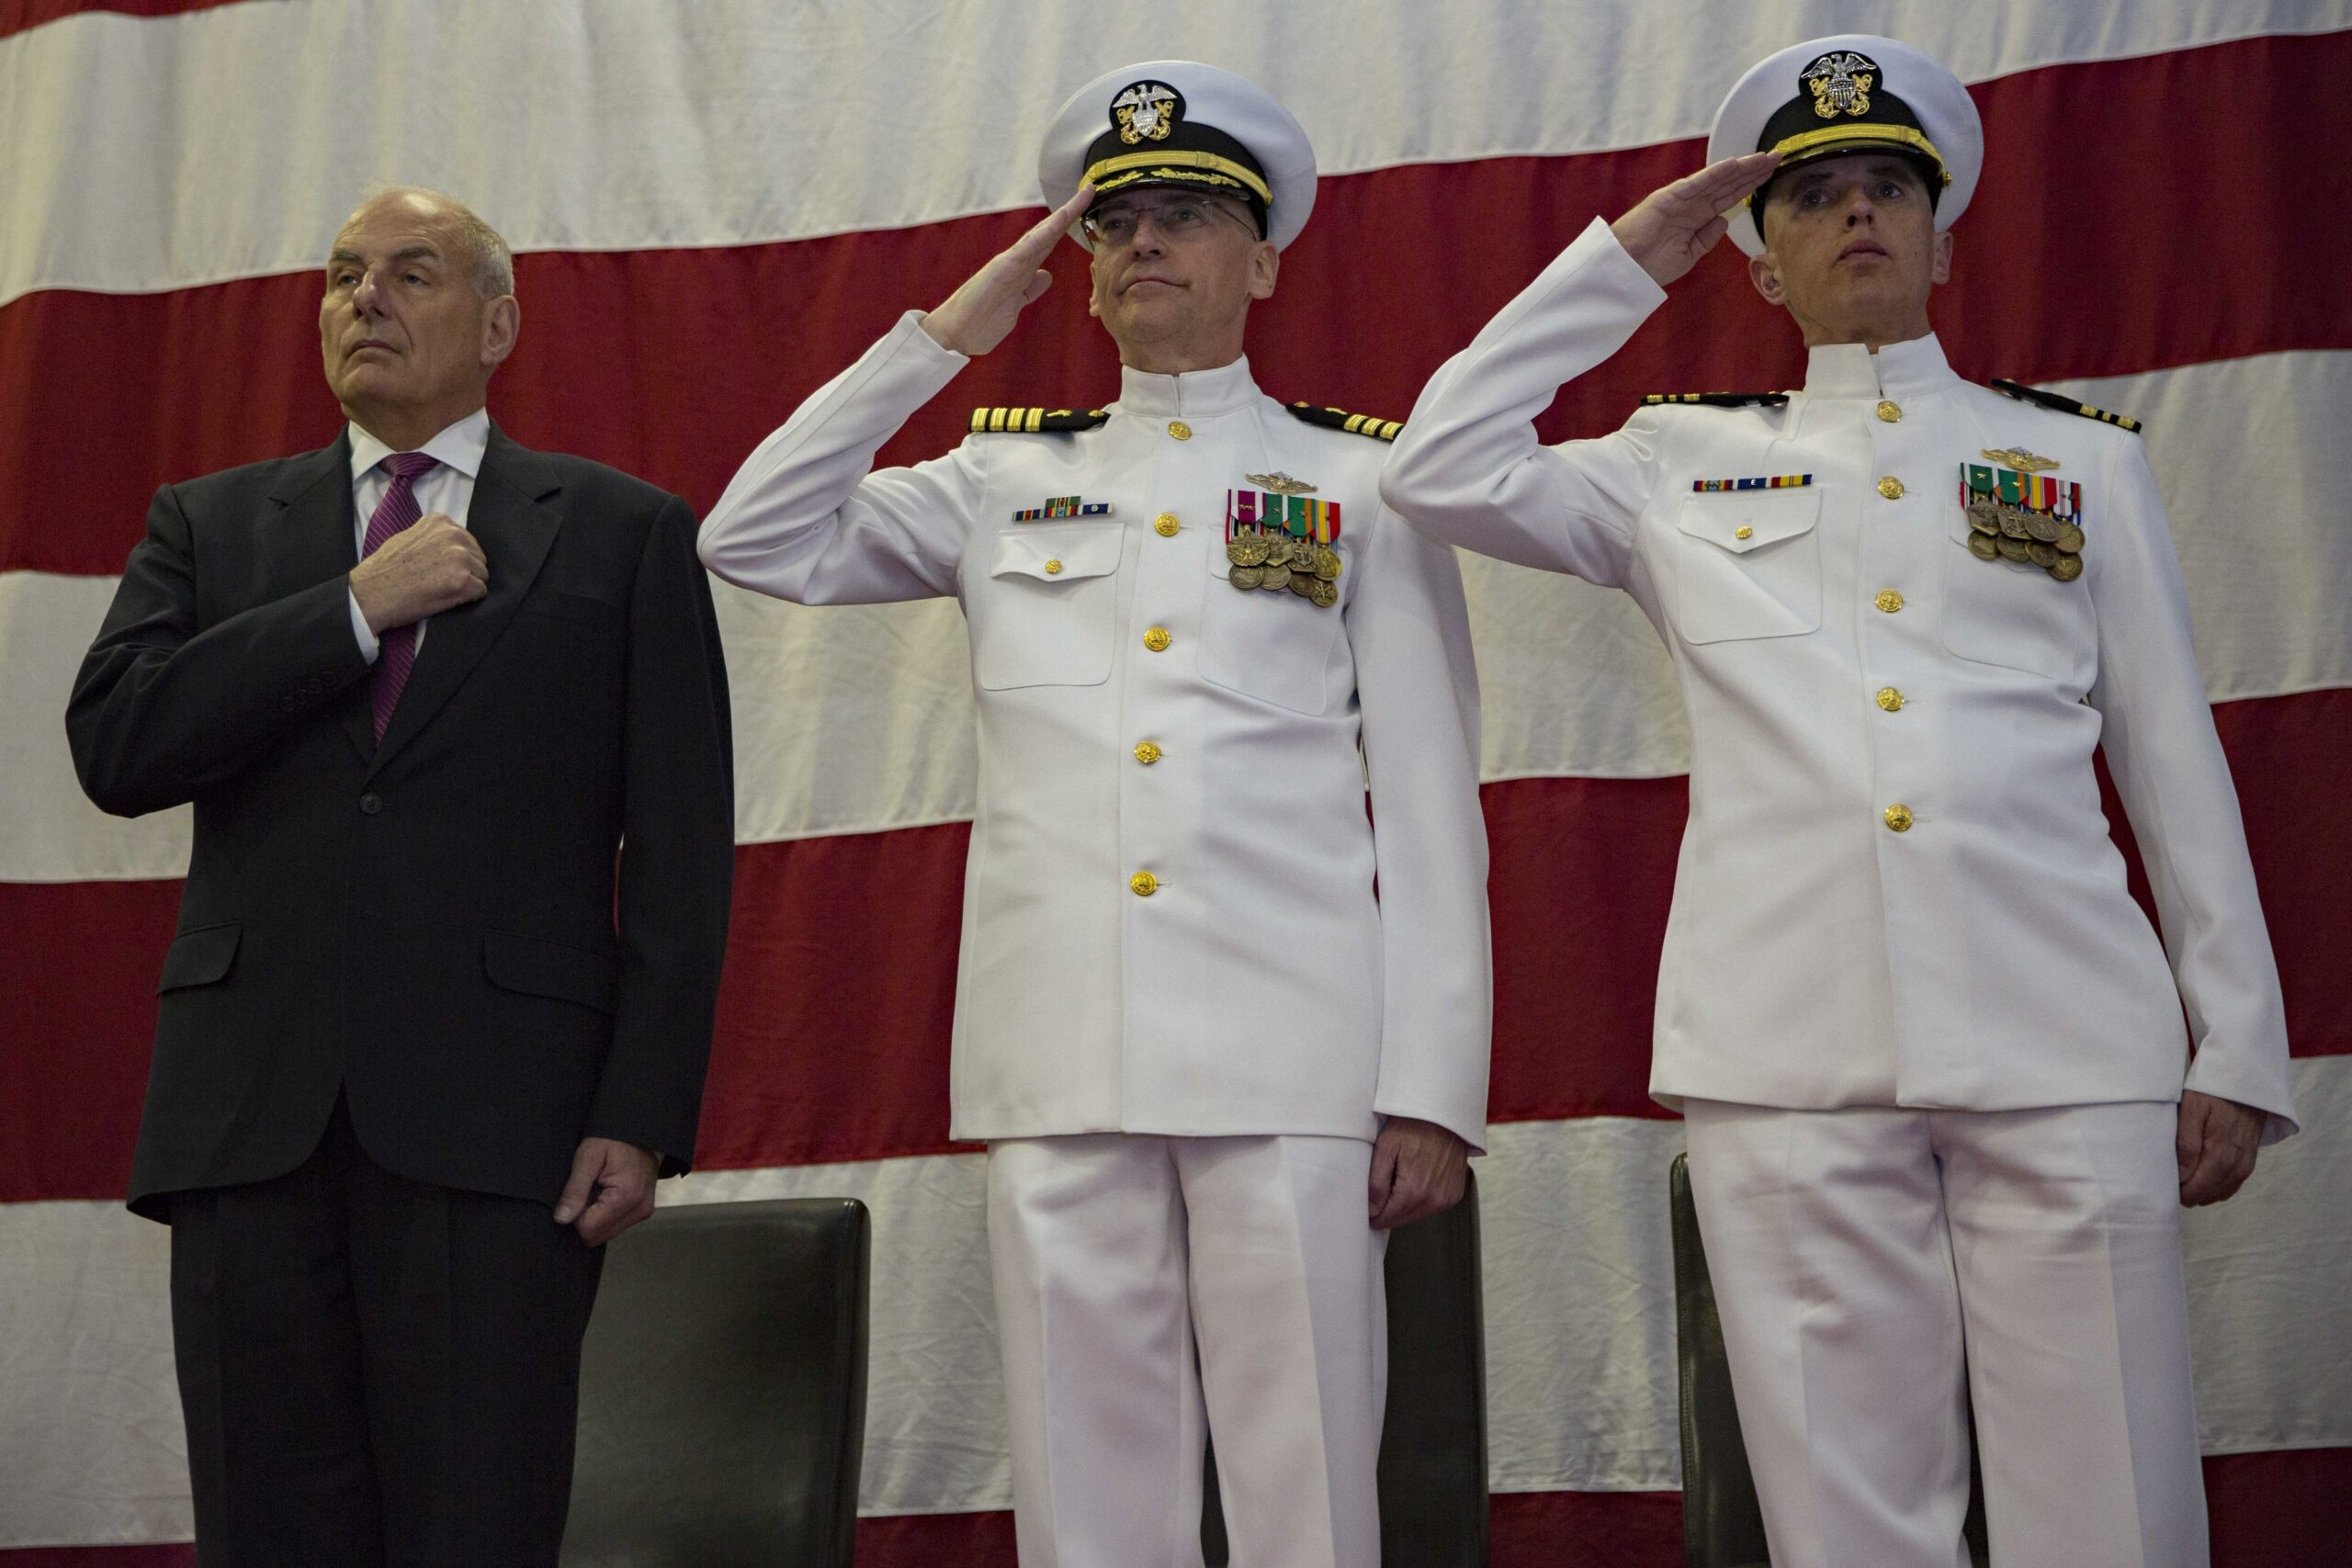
(1673, 227)
(976, 317)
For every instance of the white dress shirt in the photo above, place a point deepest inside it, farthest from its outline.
(448, 489)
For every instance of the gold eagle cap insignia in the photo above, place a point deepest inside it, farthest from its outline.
(1840, 83)
(2021, 459)
(1146, 111)
(1280, 483)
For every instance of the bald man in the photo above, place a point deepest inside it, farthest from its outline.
(453, 717)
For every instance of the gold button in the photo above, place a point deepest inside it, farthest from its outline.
(1146, 752)
(1889, 410)
(1899, 818)
(1053, 568)
(1889, 600)
(1144, 884)
(1891, 488)
(1890, 699)
(1156, 639)
(1165, 525)
(1180, 430)
(1742, 531)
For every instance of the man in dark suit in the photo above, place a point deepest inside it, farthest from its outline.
(453, 717)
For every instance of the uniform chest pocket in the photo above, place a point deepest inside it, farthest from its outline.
(1270, 644)
(1747, 564)
(2016, 614)
(1044, 616)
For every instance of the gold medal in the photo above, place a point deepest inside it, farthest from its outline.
(1275, 575)
(2041, 525)
(2044, 556)
(1303, 583)
(1984, 517)
(1247, 548)
(2069, 539)
(2066, 568)
(1325, 593)
(1326, 563)
(2013, 549)
(1245, 576)
(2012, 524)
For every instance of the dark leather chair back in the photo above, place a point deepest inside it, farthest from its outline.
(1434, 1437)
(1722, 1525)
(722, 1390)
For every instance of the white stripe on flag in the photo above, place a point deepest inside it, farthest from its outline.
(229, 142)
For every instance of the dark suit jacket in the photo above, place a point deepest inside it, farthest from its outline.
(496, 932)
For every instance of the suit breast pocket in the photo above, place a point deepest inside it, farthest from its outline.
(574, 610)
(1747, 564)
(1042, 615)
(2016, 614)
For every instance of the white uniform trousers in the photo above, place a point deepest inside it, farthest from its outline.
(1115, 1255)
(1867, 1262)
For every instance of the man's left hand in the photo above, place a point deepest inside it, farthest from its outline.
(2215, 1146)
(610, 1188)
(1417, 1169)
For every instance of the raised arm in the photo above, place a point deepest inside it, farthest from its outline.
(806, 518)
(1468, 468)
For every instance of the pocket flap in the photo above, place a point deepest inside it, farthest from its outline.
(1059, 555)
(1768, 516)
(199, 957)
(549, 969)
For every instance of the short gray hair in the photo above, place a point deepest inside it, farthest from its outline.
(494, 263)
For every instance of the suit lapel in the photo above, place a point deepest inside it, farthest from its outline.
(514, 529)
(315, 538)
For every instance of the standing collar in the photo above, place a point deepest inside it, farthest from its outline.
(1195, 394)
(460, 446)
(1897, 370)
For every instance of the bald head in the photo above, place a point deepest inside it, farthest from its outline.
(419, 311)
(481, 247)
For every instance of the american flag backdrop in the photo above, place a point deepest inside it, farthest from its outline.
(719, 204)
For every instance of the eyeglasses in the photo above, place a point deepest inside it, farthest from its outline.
(1178, 218)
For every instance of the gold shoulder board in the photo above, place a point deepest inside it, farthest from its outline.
(1354, 423)
(1719, 399)
(1033, 422)
(2064, 404)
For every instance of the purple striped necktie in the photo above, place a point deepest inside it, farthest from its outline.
(397, 653)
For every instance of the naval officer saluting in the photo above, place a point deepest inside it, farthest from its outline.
(1190, 1033)
(1932, 1054)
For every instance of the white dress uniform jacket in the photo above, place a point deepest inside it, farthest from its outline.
(1841, 654)
(1259, 986)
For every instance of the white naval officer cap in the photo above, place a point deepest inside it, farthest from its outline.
(1852, 92)
(1178, 122)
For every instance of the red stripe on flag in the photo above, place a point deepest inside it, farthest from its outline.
(834, 1014)
(102, 396)
(20, 16)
